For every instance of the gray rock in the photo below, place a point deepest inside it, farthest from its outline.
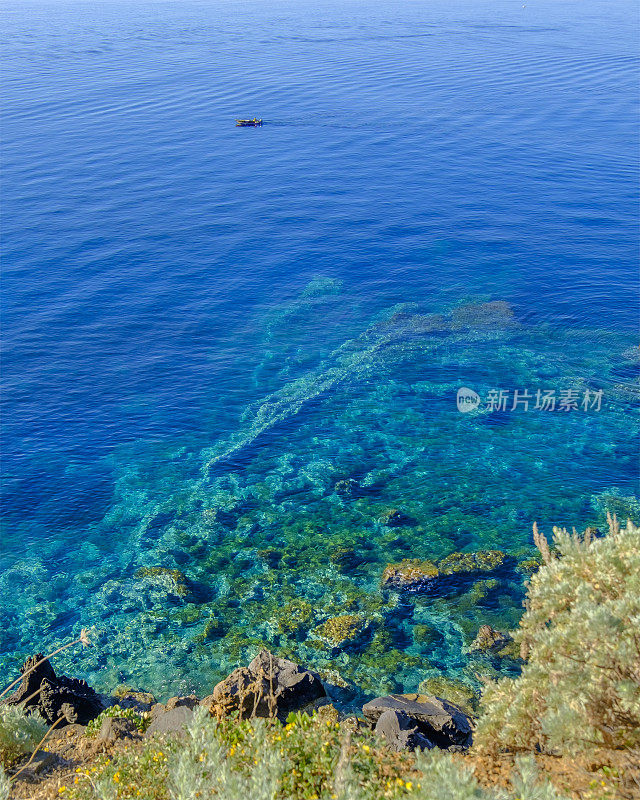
(114, 728)
(268, 686)
(43, 762)
(401, 732)
(173, 721)
(441, 722)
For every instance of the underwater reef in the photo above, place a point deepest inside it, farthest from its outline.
(344, 510)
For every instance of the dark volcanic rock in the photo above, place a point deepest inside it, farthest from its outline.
(70, 698)
(268, 686)
(401, 732)
(54, 697)
(31, 680)
(442, 723)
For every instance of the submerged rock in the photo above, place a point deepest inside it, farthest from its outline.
(495, 314)
(55, 696)
(393, 518)
(440, 722)
(346, 488)
(340, 631)
(294, 619)
(271, 557)
(414, 574)
(411, 574)
(454, 691)
(213, 629)
(467, 563)
(172, 582)
(490, 640)
(269, 686)
(344, 558)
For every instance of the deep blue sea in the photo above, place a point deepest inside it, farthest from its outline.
(231, 356)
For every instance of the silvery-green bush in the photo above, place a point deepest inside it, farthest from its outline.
(201, 768)
(446, 778)
(19, 733)
(5, 784)
(579, 689)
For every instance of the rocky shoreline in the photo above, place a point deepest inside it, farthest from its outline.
(308, 729)
(86, 723)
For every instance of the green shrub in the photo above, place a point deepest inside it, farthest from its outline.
(141, 720)
(579, 690)
(309, 757)
(19, 733)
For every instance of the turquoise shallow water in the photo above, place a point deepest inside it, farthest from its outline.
(228, 354)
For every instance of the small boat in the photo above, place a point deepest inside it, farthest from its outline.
(248, 123)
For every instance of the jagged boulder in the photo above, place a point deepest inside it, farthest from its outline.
(443, 724)
(269, 686)
(401, 732)
(55, 696)
(32, 677)
(70, 698)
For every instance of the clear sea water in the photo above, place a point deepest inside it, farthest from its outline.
(206, 329)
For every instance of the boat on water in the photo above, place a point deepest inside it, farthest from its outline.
(248, 123)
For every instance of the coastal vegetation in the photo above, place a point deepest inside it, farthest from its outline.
(567, 726)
